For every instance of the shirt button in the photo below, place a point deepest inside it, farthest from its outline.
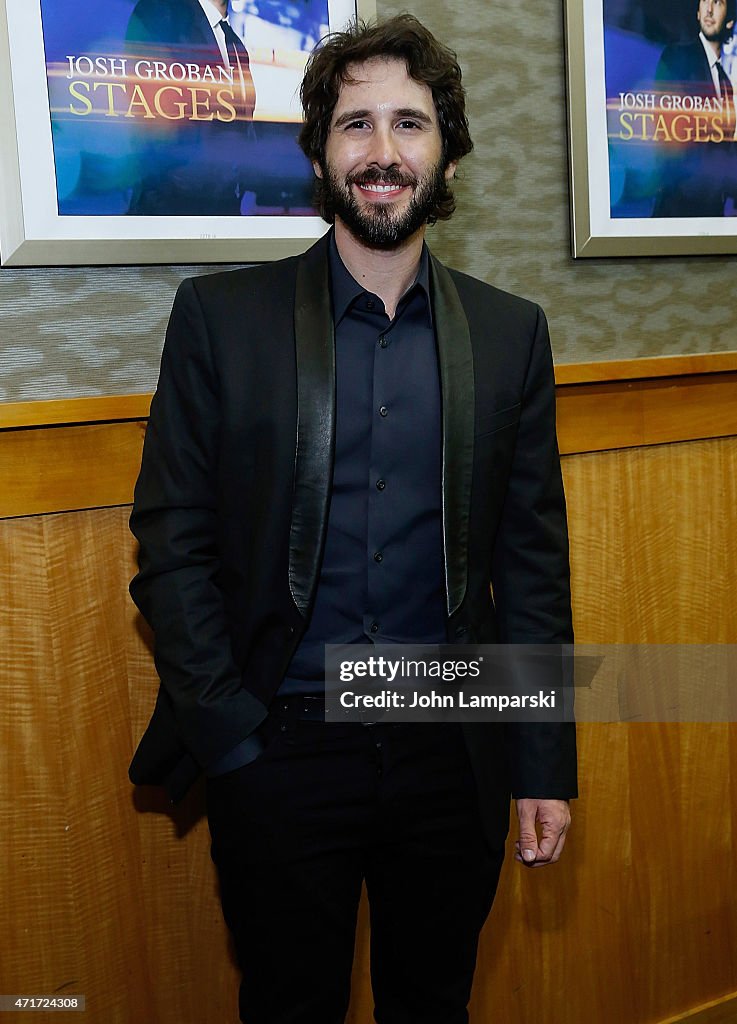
(374, 627)
(378, 557)
(370, 304)
(383, 411)
(380, 485)
(383, 342)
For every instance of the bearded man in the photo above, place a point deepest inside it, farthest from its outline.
(351, 446)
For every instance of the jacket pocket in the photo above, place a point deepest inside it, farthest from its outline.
(489, 423)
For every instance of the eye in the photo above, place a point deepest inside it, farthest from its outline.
(408, 124)
(359, 124)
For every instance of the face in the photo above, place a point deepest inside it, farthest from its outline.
(383, 159)
(712, 16)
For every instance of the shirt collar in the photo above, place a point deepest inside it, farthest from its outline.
(212, 14)
(710, 55)
(345, 288)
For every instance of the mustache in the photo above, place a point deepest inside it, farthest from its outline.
(373, 176)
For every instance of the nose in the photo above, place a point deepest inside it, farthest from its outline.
(383, 151)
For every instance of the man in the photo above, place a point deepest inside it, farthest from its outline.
(696, 176)
(197, 165)
(350, 446)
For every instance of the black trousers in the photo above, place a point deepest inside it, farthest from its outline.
(295, 833)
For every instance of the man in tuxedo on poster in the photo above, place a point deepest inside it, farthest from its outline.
(697, 177)
(352, 445)
(194, 167)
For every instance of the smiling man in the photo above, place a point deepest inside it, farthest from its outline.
(383, 168)
(349, 446)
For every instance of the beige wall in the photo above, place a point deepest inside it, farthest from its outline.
(99, 330)
(512, 226)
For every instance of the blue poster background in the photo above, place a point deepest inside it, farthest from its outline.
(654, 170)
(131, 137)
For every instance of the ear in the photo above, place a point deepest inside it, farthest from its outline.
(317, 168)
(450, 170)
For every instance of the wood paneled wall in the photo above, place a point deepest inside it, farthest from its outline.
(109, 894)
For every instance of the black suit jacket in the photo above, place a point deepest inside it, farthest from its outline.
(694, 176)
(231, 508)
(683, 63)
(179, 24)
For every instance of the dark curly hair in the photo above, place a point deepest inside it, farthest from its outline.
(428, 62)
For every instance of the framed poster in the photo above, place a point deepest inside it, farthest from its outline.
(653, 157)
(151, 131)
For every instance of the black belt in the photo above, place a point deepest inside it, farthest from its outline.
(313, 709)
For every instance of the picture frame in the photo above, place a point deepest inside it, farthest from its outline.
(649, 163)
(70, 168)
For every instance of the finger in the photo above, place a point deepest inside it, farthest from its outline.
(527, 842)
(518, 853)
(555, 856)
(549, 840)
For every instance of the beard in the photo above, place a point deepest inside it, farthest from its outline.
(713, 35)
(381, 225)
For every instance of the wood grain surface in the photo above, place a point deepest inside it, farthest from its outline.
(66, 468)
(645, 367)
(98, 409)
(631, 413)
(60, 465)
(110, 893)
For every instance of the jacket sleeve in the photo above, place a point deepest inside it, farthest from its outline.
(175, 520)
(531, 575)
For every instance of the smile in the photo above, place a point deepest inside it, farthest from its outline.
(382, 190)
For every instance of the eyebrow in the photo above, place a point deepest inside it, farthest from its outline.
(357, 115)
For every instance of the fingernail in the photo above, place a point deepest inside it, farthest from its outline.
(528, 855)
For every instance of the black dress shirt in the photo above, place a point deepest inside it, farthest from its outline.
(382, 572)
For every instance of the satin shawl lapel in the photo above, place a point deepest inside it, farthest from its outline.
(313, 468)
(455, 359)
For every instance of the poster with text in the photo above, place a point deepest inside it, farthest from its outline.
(652, 93)
(157, 121)
(154, 113)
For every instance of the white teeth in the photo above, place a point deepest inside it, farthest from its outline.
(381, 188)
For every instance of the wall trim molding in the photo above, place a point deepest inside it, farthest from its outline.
(85, 452)
(93, 409)
(69, 468)
(648, 367)
(660, 410)
(108, 408)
